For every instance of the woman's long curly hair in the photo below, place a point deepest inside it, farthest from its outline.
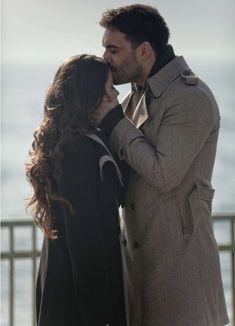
(76, 91)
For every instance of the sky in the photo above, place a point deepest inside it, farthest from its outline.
(39, 31)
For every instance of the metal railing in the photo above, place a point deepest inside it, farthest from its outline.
(13, 254)
(229, 247)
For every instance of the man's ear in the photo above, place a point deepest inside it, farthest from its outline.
(145, 50)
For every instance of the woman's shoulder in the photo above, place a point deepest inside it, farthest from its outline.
(79, 149)
(79, 142)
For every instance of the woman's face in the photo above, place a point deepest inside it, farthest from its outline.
(110, 91)
(108, 102)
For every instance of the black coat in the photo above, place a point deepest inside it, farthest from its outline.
(80, 274)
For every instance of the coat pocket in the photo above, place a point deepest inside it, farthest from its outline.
(174, 227)
(200, 201)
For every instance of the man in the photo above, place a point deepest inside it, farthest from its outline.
(168, 136)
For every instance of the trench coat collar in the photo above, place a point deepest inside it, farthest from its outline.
(159, 82)
(155, 86)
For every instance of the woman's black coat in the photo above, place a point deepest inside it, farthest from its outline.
(80, 273)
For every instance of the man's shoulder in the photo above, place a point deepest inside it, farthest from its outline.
(181, 82)
(176, 76)
(191, 97)
(189, 85)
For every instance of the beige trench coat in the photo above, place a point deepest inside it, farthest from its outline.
(171, 261)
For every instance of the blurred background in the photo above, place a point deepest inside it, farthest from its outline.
(36, 37)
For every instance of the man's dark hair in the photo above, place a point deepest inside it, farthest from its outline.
(139, 23)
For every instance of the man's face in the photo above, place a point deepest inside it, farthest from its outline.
(121, 57)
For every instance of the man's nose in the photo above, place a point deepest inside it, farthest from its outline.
(106, 57)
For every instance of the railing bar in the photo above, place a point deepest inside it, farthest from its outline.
(222, 218)
(15, 223)
(19, 255)
(229, 248)
(11, 292)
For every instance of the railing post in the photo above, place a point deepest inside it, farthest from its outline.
(233, 266)
(34, 272)
(11, 283)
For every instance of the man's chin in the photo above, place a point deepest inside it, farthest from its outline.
(116, 79)
(119, 82)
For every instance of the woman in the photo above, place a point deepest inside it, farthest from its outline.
(76, 182)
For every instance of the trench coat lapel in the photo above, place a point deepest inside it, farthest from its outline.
(140, 114)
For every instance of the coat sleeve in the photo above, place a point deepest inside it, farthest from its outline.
(83, 230)
(184, 129)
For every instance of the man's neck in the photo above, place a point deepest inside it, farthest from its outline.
(146, 71)
(166, 56)
(154, 65)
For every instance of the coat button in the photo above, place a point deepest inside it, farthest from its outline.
(121, 152)
(132, 206)
(124, 242)
(136, 244)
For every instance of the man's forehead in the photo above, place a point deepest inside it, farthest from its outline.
(112, 37)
